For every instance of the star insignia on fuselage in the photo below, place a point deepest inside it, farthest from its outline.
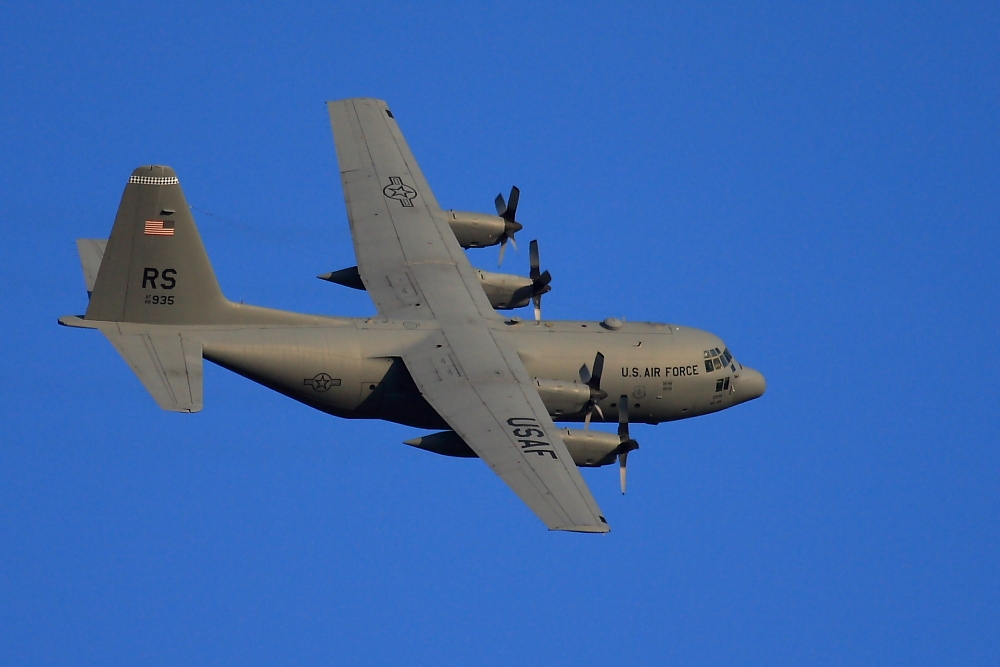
(321, 382)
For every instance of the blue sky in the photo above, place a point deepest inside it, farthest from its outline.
(816, 184)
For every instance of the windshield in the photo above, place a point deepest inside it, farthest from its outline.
(716, 360)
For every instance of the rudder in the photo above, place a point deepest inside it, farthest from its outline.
(155, 269)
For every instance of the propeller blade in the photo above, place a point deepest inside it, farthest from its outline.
(623, 418)
(593, 380)
(508, 210)
(540, 287)
(627, 443)
(622, 470)
(511, 212)
(598, 371)
(501, 206)
(539, 281)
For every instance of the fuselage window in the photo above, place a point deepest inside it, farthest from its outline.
(722, 385)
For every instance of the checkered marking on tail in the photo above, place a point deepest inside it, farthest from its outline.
(154, 180)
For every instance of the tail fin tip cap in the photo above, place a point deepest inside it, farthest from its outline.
(154, 174)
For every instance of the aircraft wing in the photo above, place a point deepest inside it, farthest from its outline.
(414, 269)
(396, 223)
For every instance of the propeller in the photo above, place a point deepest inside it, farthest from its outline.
(507, 210)
(627, 443)
(593, 380)
(539, 281)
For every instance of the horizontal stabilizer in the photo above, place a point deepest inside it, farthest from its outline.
(168, 364)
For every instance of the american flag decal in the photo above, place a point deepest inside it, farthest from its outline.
(159, 227)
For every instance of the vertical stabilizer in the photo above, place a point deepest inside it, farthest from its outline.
(155, 269)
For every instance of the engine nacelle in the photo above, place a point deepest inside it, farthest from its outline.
(562, 397)
(505, 291)
(589, 449)
(476, 230)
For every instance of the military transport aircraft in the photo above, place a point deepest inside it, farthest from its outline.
(438, 355)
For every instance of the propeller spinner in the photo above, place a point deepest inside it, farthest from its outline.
(507, 210)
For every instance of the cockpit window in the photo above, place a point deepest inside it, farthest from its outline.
(716, 360)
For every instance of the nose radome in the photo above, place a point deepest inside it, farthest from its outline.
(751, 385)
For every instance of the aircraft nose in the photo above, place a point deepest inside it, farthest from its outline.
(751, 385)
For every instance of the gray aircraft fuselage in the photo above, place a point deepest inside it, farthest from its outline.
(351, 367)
(438, 355)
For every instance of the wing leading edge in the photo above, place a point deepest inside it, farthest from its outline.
(413, 268)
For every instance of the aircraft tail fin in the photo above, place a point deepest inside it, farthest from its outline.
(154, 269)
(151, 286)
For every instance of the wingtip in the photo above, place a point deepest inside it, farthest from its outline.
(586, 528)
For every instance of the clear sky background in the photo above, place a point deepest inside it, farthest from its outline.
(818, 185)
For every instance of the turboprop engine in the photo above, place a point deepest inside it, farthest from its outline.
(505, 291)
(589, 449)
(480, 230)
(476, 230)
(562, 397)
